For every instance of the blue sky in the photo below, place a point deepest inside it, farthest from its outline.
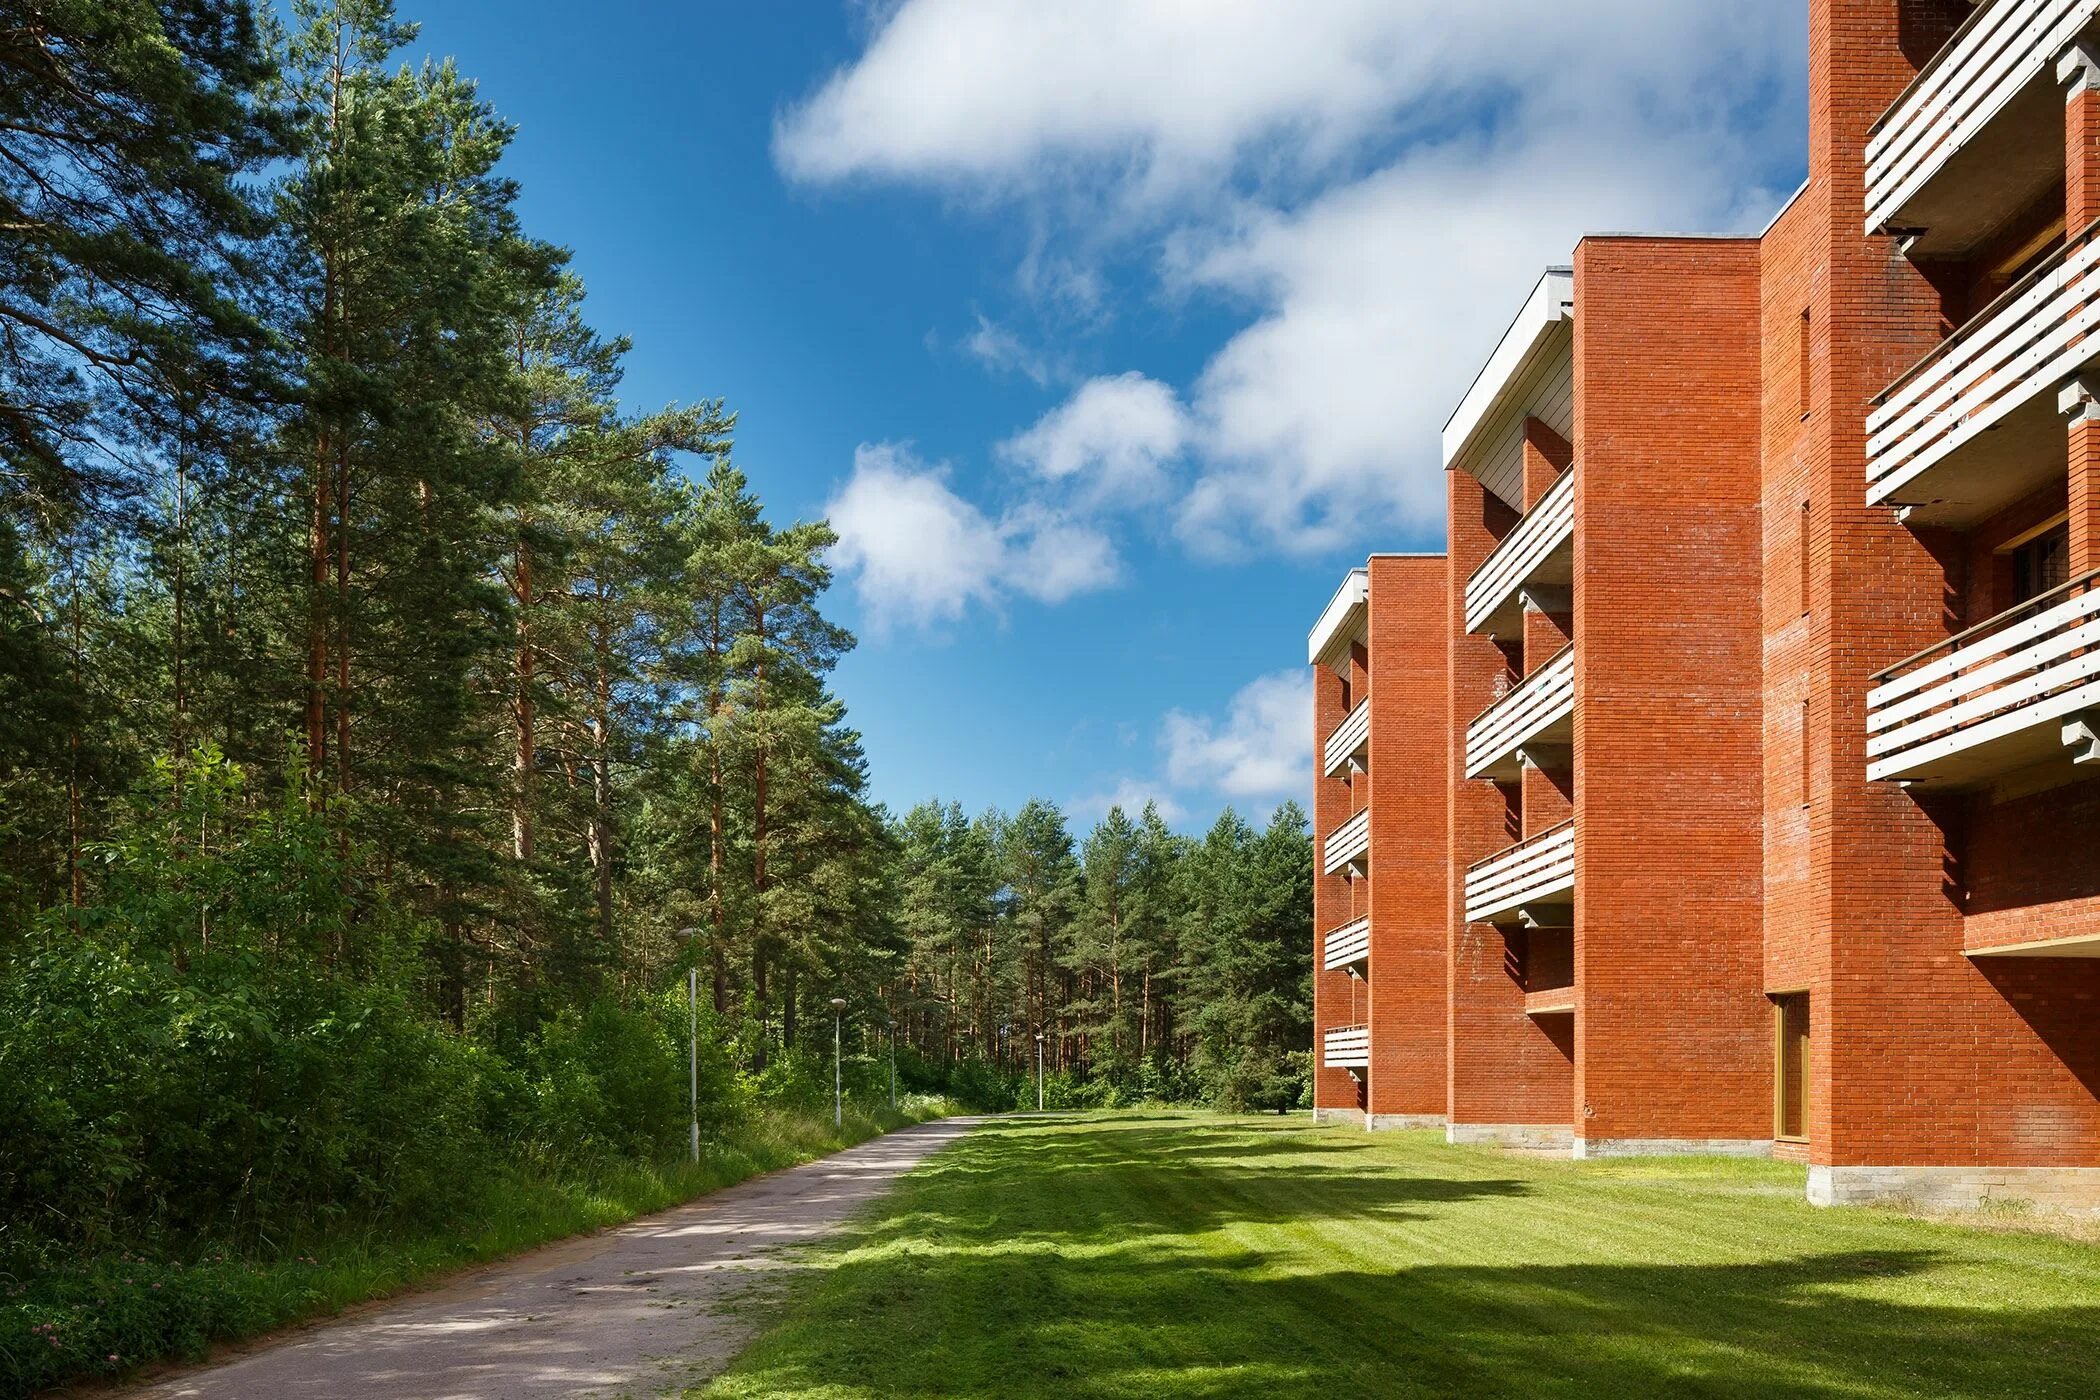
(1108, 338)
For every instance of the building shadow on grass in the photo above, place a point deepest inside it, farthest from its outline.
(1148, 1318)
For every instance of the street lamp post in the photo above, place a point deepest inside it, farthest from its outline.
(692, 1042)
(838, 1093)
(1038, 1071)
(892, 1027)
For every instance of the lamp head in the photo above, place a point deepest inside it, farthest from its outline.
(838, 1003)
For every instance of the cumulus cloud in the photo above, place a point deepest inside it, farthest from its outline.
(920, 554)
(1167, 94)
(1373, 183)
(1112, 439)
(1255, 750)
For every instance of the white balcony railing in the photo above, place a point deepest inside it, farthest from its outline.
(2006, 47)
(1346, 1047)
(1538, 871)
(1351, 841)
(1543, 701)
(1546, 529)
(1350, 738)
(1347, 946)
(2013, 356)
(1993, 698)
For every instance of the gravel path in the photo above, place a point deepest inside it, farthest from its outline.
(637, 1310)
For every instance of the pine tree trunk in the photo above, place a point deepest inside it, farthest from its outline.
(718, 909)
(525, 750)
(600, 835)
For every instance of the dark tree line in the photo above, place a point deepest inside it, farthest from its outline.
(1153, 964)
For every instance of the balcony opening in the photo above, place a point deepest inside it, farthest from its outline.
(1790, 1067)
(2042, 564)
(1549, 959)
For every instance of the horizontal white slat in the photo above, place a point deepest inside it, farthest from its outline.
(1528, 871)
(2006, 359)
(1346, 842)
(1349, 739)
(1543, 698)
(1548, 525)
(1994, 683)
(1346, 1047)
(2009, 45)
(1351, 943)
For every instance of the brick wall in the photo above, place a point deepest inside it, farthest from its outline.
(1672, 1033)
(1408, 849)
(1922, 1055)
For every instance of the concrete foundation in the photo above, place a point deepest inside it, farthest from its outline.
(1529, 1137)
(1957, 1188)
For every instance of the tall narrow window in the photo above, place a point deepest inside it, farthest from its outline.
(1801, 356)
(1801, 559)
(1801, 776)
(1790, 1068)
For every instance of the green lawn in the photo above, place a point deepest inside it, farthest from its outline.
(1170, 1254)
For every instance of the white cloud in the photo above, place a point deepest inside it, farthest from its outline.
(1374, 182)
(920, 554)
(1113, 439)
(1131, 794)
(1325, 413)
(1257, 750)
(998, 348)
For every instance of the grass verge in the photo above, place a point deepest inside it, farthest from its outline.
(1170, 1254)
(103, 1316)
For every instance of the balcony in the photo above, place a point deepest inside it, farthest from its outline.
(1540, 550)
(1975, 425)
(1348, 844)
(1534, 875)
(1349, 741)
(2010, 693)
(1347, 946)
(1978, 134)
(1346, 1047)
(1539, 712)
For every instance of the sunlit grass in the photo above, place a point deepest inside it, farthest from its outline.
(1163, 1254)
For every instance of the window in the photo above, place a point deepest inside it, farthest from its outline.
(1804, 775)
(2042, 563)
(1803, 343)
(1801, 552)
(1790, 1068)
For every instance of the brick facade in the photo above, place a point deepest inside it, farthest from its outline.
(1742, 599)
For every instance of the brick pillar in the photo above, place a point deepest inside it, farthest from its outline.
(2080, 402)
(1546, 455)
(2079, 71)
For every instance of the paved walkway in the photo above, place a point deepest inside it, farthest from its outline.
(632, 1311)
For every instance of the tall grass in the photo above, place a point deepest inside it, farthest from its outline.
(66, 1317)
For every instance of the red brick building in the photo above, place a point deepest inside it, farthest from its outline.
(1770, 664)
(1378, 801)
